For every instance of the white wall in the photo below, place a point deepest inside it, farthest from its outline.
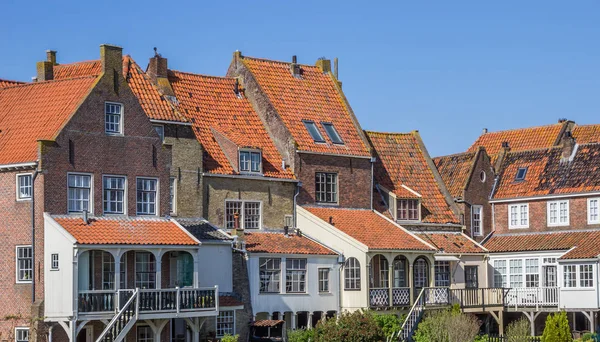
(578, 297)
(215, 266)
(58, 284)
(311, 301)
(457, 269)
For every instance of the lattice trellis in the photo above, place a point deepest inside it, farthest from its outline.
(379, 297)
(401, 296)
(437, 296)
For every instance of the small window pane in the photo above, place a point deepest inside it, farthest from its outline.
(326, 187)
(521, 173)
(79, 193)
(314, 131)
(323, 280)
(225, 322)
(54, 261)
(332, 133)
(146, 196)
(24, 186)
(24, 264)
(476, 215)
(113, 112)
(160, 130)
(22, 335)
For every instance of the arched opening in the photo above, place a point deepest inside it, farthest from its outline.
(420, 274)
(352, 274)
(179, 265)
(379, 272)
(399, 269)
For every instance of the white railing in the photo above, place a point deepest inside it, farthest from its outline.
(379, 297)
(401, 296)
(532, 297)
(412, 319)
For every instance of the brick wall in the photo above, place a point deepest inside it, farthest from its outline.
(477, 193)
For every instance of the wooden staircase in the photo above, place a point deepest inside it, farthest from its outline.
(123, 321)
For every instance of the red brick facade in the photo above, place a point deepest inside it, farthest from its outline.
(477, 192)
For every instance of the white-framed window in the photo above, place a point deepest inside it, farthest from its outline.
(160, 130)
(326, 187)
(295, 275)
(558, 213)
(477, 220)
(108, 271)
(54, 261)
(24, 186)
(313, 130)
(270, 275)
(250, 161)
(518, 216)
(21, 334)
(593, 209)
(147, 191)
(352, 274)
(516, 272)
(79, 192)
(570, 275)
(145, 270)
(500, 273)
(226, 323)
(173, 195)
(586, 276)
(113, 118)
(532, 273)
(114, 194)
(24, 256)
(323, 280)
(332, 133)
(408, 209)
(442, 273)
(144, 334)
(248, 214)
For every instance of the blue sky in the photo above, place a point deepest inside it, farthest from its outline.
(445, 68)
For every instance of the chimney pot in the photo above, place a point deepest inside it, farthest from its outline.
(335, 68)
(324, 65)
(85, 217)
(286, 230)
(294, 59)
(485, 130)
(51, 56)
(331, 220)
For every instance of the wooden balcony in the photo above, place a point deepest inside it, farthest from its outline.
(532, 298)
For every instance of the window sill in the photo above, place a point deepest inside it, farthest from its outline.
(24, 199)
(518, 227)
(286, 293)
(326, 294)
(23, 282)
(576, 289)
(111, 134)
(557, 225)
(54, 269)
(329, 204)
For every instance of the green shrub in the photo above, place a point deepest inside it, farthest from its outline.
(588, 337)
(301, 335)
(358, 326)
(230, 338)
(447, 326)
(390, 324)
(481, 338)
(518, 331)
(557, 328)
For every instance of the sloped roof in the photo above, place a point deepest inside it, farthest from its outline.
(455, 170)
(400, 161)
(584, 244)
(451, 242)
(226, 301)
(36, 111)
(585, 134)
(369, 228)
(278, 243)
(210, 103)
(8, 83)
(313, 96)
(547, 173)
(202, 229)
(124, 231)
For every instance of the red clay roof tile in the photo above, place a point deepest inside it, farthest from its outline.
(278, 243)
(455, 170)
(451, 242)
(8, 83)
(586, 134)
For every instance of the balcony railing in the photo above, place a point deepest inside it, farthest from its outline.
(151, 300)
(440, 296)
(532, 297)
(401, 296)
(379, 297)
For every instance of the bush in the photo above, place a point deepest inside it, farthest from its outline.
(230, 338)
(447, 326)
(557, 328)
(301, 335)
(518, 331)
(357, 326)
(588, 337)
(390, 324)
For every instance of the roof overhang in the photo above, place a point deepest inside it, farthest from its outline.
(167, 122)
(334, 154)
(258, 178)
(18, 166)
(444, 257)
(541, 197)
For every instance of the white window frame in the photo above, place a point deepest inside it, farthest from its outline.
(17, 269)
(250, 153)
(150, 265)
(519, 213)
(352, 275)
(173, 196)
(408, 200)
(473, 220)
(137, 333)
(325, 184)
(518, 277)
(558, 213)
(500, 278)
(532, 277)
(156, 198)
(17, 329)
(442, 277)
(18, 186)
(243, 214)
(125, 195)
(121, 115)
(589, 210)
(91, 197)
(293, 271)
(162, 127)
(54, 262)
(272, 273)
(232, 322)
(324, 283)
(575, 279)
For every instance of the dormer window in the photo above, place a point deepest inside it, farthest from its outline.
(250, 161)
(521, 173)
(113, 118)
(332, 133)
(313, 130)
(408, 210)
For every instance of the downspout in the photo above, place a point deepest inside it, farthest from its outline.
(33, 177)
(372, 181)
(298, 186)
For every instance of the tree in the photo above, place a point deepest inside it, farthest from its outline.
(557, 328)
(518, 331)
(358, 326)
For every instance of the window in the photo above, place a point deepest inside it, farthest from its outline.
(323, 280)
(518, 216)
(593, 212)
(24, 186)
(54, 261)
(248, 214)
(326, 187)
(332, 133)
(352, 274)
(586, 276)
(420, 274)
(516, 273)
(250, 161)
(500, 273)
(173, 196)
(270, 272)
(471, 277)
(160, 130)
(312, 129)
(80, 189)
(21, 334)
(24, 264)
(408, 210)
(558, 213)
(225, 323)
(295, 275)
(145, 270)
(521, 173)
(146, 196)
(482, 176)
(532, 273)
(570, 275)
(442, 273)
(113, 116)
(144, 334)
(114, 194)
(477, 218)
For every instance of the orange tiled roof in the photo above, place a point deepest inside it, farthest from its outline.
(369, 228)
(547, 174)
(154, 104)
(125, 231)
(210, 103)
(36, 111)
(586, 134)
(400, 161)
(455, 170)
(8, 83)
(451, 242)
(278, 243)
(585, 244)
(313, 96)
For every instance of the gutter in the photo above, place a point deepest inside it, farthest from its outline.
(258, 178)
(170, 122)
(372, 180)
(333, 154)
(298, 186)
(33, 177)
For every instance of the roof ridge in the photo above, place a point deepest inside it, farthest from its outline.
(12, 81)
(391, 133)
(578, 231)
(79, 62)
(26, 84)
(541, 149)
(275, 61)
(114, 218)
(525, 128)
(203, 75)
(456, 154)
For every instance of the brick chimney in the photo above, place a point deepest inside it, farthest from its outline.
(568, 144)
(51, 56)
(294, 67)
(111, 57)
(324, 65)
(158, 73)
(45, 71)
(505, 148)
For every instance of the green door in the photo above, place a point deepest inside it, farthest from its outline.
(185, 270)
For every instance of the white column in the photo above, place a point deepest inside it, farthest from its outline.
(391, 281)
(196, 281)
(117, 261)
(431, 273)
(410, 282)
(310, 316)
(158, 263)
(293, 315)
